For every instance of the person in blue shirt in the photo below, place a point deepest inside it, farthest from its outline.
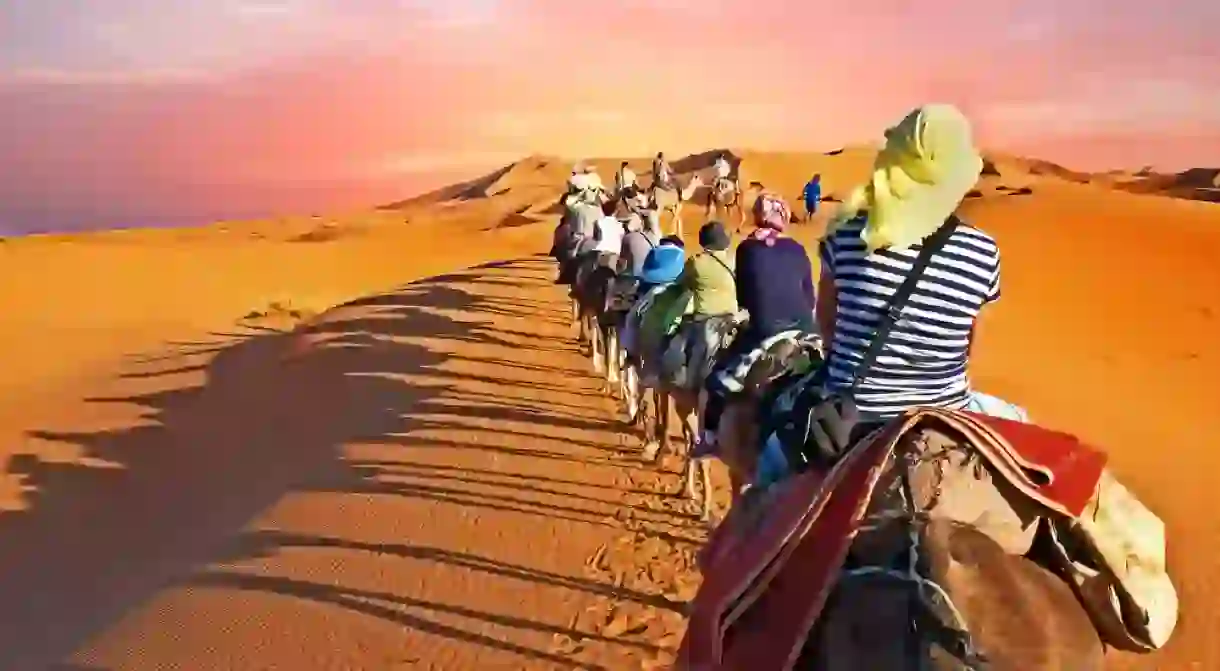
(812, 196)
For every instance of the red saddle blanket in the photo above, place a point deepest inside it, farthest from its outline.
(764, 587)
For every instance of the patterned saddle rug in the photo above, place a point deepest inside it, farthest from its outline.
(730, 375)
(770, 565)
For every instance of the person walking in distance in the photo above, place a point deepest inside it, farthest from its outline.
(812, 195)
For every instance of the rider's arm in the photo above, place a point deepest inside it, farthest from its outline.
(745, 276)
(827, 306)
(687, 279)
(993, 295)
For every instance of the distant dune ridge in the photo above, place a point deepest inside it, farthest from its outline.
(528, 188)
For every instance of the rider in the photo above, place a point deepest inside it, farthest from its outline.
(724, 182)
(608, 235)
(723, 169)
(661, 268)
(667, 301)
(710, 316)
(583, 207)
(710, 276)
(774, 285)
(637, 242)
(928, 165)
(625, 187)
(594, 189)
(662, 173)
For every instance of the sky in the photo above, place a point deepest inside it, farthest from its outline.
(167, 112)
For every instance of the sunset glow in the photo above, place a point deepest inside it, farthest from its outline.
(160, 112)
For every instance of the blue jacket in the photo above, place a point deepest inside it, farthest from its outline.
(813, 192)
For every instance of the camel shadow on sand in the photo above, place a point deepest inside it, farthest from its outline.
(271, 418)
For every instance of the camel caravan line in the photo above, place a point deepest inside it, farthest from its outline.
(884, 514)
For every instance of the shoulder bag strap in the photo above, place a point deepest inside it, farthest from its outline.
(724, 265)
(893, 310)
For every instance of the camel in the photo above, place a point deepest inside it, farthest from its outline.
(590, 292)
(651, 408)
(973, 607)
(671, 200)
(725, 197)
(959, 602)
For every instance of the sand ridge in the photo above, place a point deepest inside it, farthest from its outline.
(369, 441)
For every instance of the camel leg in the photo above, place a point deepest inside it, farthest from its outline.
(631, 392)
(695, 426)
(705, 474)
(664, 400)
(685, 412)
(656, 427)
(614, 358)
(687, 405)
(738, 451)
(575, 313)
(596, 346)
(648, 410)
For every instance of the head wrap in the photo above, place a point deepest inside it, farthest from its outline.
(929, 163)
(770, 211)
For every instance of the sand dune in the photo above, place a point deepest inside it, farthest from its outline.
(368, 440)
(1193, 183)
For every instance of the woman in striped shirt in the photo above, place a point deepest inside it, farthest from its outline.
(926, 168)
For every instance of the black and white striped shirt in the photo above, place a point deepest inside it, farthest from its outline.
(923, 362)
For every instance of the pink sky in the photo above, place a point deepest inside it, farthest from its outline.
(175, 111)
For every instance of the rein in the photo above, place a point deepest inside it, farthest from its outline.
(955, 637)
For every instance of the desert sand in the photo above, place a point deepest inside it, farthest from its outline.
(369, 441)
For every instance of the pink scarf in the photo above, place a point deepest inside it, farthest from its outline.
(767, 235)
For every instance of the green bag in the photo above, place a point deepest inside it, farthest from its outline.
(663, 318)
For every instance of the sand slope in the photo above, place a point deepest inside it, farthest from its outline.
(426, 476)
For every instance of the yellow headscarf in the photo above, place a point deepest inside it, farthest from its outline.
(929, 163)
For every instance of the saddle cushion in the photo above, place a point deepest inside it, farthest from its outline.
(623, 294)
(730, 375)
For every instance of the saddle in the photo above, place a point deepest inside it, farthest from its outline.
(771, 565)
(630, 335)
(690, 354)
